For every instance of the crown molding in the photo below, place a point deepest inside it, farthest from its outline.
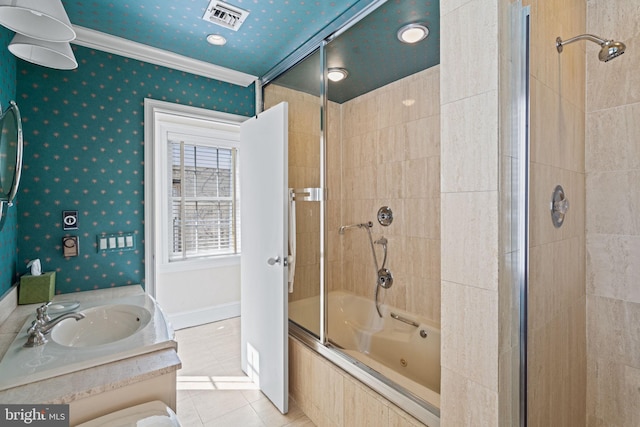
(112, 44)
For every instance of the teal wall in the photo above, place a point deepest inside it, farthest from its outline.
(9, 233)
(84, 151)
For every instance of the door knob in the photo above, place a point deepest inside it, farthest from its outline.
(272, 261)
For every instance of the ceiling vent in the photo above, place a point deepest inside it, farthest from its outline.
(225, 15)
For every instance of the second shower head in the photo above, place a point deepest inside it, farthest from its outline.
(609, 49)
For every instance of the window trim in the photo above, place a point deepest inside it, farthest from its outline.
(162, 116)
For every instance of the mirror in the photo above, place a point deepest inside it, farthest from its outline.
(10, 157)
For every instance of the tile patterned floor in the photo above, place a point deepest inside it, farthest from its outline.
(213, 390)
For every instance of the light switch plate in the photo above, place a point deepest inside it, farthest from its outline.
(116, 242)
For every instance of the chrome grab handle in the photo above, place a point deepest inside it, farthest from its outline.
(405, 320)
(307, 194)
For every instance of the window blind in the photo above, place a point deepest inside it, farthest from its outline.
(204, 200)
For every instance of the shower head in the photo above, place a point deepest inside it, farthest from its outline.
(609, 49)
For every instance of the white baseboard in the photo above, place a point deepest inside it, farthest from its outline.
(187, 319)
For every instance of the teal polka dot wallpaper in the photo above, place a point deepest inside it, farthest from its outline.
(84, 151)
(9, 232)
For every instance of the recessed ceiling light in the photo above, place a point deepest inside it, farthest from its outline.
(413, 33)
(337, 74)
(216, 39)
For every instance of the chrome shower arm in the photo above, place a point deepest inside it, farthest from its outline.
(590, 37)
(361, 225)
(609, 49)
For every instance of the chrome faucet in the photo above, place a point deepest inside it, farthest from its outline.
(44, 324)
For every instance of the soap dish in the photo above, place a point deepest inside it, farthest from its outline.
(60, 307)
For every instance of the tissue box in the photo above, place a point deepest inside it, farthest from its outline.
(35, 289)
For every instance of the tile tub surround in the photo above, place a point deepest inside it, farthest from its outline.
(380, 343)
(389, 152)
(331, 397)
(95, 384)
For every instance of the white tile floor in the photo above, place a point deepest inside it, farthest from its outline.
(213, 390)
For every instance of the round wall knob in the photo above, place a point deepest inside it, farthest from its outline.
(385, 216)
(272, 261)
(559, 206)
(385, 278)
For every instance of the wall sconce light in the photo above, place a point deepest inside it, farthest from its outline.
(337, 74)
(45, 53)
(43, 32)
(40, 19)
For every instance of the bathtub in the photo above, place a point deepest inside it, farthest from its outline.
(407, 355)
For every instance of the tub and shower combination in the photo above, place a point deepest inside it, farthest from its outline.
(402, 348)
(397, 349)
(352, 147)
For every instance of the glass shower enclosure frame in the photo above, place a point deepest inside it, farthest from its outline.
(514, 189)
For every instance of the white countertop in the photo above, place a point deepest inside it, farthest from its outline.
(72, 373)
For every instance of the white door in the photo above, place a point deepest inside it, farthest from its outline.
(264, 291)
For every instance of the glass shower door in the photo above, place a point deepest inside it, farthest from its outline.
(305, 204)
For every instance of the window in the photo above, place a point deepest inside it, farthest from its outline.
(204, 200)
(192, 189)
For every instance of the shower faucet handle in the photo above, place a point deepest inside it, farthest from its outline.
(385, 278)
(559, 206)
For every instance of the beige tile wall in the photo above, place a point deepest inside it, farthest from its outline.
(391, 157)
(470, 212)
(613, 219)
(379, 152)
(330, 397)
(556, 320)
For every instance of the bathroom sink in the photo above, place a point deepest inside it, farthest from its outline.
(101, 325)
